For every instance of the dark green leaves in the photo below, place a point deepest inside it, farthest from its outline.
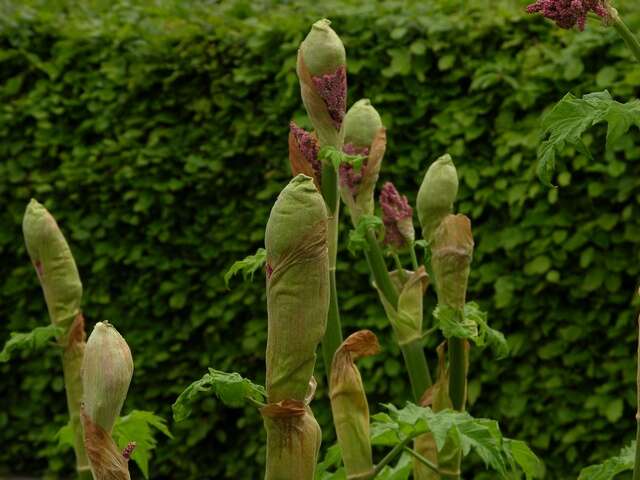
(572, 116)
(472, 324)
(31, 341)
(467, 433)
(231, 388)
(358, 236)
(612, 466)
(248, 266)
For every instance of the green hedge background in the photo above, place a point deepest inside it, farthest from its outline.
(157, 135)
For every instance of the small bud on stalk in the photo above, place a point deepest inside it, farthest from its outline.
(570, 13)
(364, 135)
(349, 404)
(436, 195)
(323, 81)
(452, 251)
(106, 374)
(397, 216)
(303, 154)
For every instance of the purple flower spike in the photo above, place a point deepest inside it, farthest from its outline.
(332, 88)
(569, 13)
(349, 177)
(309, 148)
(128, 450)
(397, 216)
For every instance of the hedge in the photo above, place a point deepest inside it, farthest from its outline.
(158, 137)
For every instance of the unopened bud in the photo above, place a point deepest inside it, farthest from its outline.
(436, 195)
(397, 216)
(303, 154)
(106, 374)
(361, 125)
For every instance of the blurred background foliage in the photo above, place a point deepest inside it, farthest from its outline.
(156, 132)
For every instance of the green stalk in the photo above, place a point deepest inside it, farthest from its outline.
(430, 465)
(627, 35)
(457, 372)
(636, 466)
(412, 352)
(388, 458)
(333, 334)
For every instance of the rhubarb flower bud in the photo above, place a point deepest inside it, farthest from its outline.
(322, 72)
(436, 195)
(397, 216)
(570, 13)
(349, 404)
(303, 154)
(54, 264)
(364, 135)
(452, 251)
(297, 288)
(106, 374)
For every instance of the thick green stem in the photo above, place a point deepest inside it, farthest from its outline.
(333, 334)
(413, 353)
(457, 372)
(627, 35)
(636, 466)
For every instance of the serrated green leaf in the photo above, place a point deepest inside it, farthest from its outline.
(524, 457)
(248, 266)
(611, 467)
(332, 459)
(31, 341)
(337, 157)
(231, 388)
(358, 236)
(139, 426)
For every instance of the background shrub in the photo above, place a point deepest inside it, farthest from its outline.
(157, 137)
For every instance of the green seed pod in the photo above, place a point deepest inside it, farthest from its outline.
(297, 288)
(452, 252)
(106, 374)
(349, 404)
(361, 124)
(436, 195)
(322, 49)
(54, 263)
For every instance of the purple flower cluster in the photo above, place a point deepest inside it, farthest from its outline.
(349, 177)
(569, 13)
(396, 214)
(332, 88)
(309, 148)
(128, 450)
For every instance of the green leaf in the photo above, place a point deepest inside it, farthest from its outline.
(248, 266)
(337, 157)
(332, 459)
(358, 236)
(31, 341)
(64, 436)
(612, 466)
(139, 426)
(472, 324)
(231, 388)
(571, 117)
(520, 453)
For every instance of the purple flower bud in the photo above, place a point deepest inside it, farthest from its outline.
(303, 153)
(569, 13)
(350, 177)
(397, 216)
(332, 88)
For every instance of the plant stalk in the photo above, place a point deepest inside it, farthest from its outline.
(333, 334)
(627, 35)
(457, 372)
(413, 353)
(388, 458)
(636, 466)
(430, 465)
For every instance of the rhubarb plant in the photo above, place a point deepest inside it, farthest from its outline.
(565, 125)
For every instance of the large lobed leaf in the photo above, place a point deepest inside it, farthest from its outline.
(612, 466)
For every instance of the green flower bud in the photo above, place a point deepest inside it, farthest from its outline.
(349, 404)
(452, 251)
(437, 194)
(322, 49)
(361, 124)
(297, 288)
(54, 263)
(106, 373)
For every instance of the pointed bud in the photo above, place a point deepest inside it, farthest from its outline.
(54, 264)
(364, 135)
(349, 403)
(323, 81)
(437, 194)
(397, 216)
(303, 154)
(452, 251)
(106, 373)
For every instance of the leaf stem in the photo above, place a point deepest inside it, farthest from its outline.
(333, 333)
(627, 35)
(399, 267)
(433, 467)
(636, 465)
(388, 458)
(457, 372)
(414, 258)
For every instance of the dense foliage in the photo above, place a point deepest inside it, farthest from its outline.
(158, 138)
